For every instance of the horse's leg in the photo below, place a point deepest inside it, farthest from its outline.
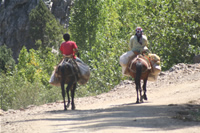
(67, 89)
(144, 89)
(137, 100)
(72, 95)
(63, 93)
(62, 69)
(140, 89)
(137, 89)
(137, 79)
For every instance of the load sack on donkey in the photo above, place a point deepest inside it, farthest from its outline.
(154, 61)
(54, 80)
(123, 61)
(156, 68)
(84, 73)
(82, 70)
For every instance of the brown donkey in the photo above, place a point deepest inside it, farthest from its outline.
(139, 68)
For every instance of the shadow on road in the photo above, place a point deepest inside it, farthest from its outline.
(123, 116)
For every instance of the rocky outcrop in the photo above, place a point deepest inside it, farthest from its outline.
(61, 10)
(14, 21)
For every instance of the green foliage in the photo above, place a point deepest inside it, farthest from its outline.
(94, 29)
(33, 67)
(28, 83)
(176, 39)
(15, 92)
(85, 18)
(6, 61)
(102, 30)
(44, 26)
(28, 66)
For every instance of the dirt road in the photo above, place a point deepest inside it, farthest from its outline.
(170, 99)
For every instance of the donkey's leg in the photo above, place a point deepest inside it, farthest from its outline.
(144, 89)
(138, 79)
(140, 89)
(63, 94)
(137, 88)
(62, 69)
(67, 89)
(72, 95)
(137, 100)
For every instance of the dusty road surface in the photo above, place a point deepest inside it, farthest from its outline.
(171, 101)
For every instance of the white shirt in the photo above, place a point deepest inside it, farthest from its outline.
(134, 45)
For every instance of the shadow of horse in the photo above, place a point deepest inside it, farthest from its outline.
(139, 69)
(68, 74)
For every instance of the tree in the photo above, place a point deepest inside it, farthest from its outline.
(6, 60)
(44, 26)
(84, 23)
(94, 27)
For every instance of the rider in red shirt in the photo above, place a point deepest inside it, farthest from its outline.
(69, 48)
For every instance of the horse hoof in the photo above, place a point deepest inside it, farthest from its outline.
(145, 97)
(73, 108)
(137, 102)
(67, 106)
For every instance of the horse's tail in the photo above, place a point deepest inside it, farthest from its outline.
(138, 72)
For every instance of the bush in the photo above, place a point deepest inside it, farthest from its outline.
(7, 62)
(17, 93)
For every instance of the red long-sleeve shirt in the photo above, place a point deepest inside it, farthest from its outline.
(68, 47)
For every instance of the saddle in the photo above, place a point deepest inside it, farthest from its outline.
(75, 68)
(143, 57)
(80, 70)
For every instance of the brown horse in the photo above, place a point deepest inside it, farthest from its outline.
(68, 74)
(139, 69)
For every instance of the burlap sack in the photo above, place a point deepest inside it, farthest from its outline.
(124, 58)
(123, 61)
(156, 68)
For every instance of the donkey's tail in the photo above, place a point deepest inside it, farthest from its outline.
(138, 72)
(62, 68)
